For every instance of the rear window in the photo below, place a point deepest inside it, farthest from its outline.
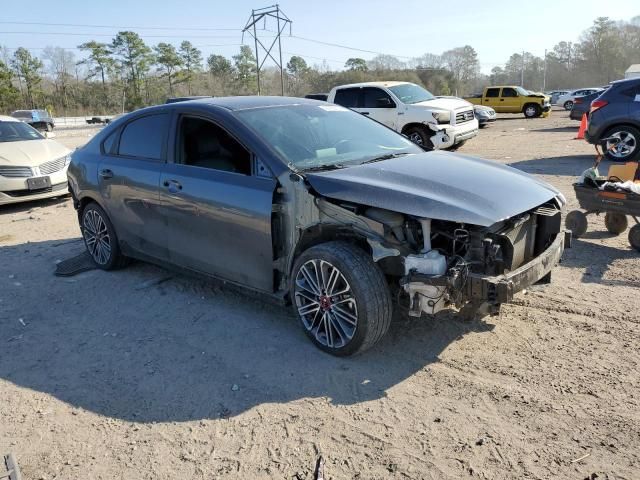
(347, 97)
(145, 137)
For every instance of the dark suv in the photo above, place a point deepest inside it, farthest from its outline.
(614, 120)
(38, 119)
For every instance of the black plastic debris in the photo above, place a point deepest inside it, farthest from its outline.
(74, 265)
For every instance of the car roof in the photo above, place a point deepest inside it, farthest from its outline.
(5, 118)
(391, 83)
(626, 80)
(246, 102)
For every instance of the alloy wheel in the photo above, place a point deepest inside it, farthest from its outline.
(326, 303)
(621, 144)
(530, 111)
(96, 236)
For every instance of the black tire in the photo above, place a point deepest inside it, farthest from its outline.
(568, 105)
(420, 136)
(532, 110)
(616, 223)
(95, 224)
(367, 298)
(49, 127)
(634, 237)
(576, 221)
(631, 137)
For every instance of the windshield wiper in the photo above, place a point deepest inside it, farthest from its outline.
(322, 168)
(387, 156)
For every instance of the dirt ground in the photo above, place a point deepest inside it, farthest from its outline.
(140, 374)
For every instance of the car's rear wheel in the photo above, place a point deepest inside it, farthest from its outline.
(532, 110)
(616, 223)
(49, 127)
(100, 238)
(568, 105)
(420, 136)
(341, 297)
(620, 144)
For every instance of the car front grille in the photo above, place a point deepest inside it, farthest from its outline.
(463, 117)
(27, 193)
(52, 166)
(16, 172)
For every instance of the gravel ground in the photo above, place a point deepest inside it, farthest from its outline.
(138, 374)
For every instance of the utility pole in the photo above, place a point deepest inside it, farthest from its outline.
(544, 72)
(522, 72)
(281, 21)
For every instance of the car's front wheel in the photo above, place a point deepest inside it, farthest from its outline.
(100, 238)
(341, 298)
(620, 144)
(420, 136)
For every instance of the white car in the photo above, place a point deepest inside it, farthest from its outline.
(429, 121)
(31, 166)
(568, 99)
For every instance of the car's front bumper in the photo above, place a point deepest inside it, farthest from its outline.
(495, 290)
(14, 190)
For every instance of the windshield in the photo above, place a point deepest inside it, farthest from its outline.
(522, 91)
(411, 93)
(324, 136)
(17, 132)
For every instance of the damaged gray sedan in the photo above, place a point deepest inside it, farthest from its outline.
(318, 206)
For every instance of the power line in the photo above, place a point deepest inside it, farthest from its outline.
(120, 26)
(77, 34)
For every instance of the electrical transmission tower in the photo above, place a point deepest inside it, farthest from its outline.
(282, 21)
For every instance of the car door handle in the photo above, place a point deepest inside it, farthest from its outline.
(106, 174)
(502, 99)
(365, 113)
(173, 185)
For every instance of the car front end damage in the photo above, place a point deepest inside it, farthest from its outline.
(432, 265)
(447, 230)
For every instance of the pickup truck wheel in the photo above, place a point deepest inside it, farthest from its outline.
(419, 136)
(621, 144)
(341, 298)
(532, 110)
(616, 223)
(568, 105)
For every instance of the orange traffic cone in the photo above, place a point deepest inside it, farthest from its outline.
(583, 127)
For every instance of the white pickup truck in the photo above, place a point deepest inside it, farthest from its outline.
(434, 123)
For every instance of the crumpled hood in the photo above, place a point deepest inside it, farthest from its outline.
(30, 153)
(437, 185)
(444, 104)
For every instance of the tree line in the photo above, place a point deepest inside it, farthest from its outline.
(126, 73)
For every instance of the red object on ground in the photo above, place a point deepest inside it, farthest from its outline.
(583, 127)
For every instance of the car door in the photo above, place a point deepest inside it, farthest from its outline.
(129, 181)
(378, 104)
(492, 98)
(218, 200)
(510, 100)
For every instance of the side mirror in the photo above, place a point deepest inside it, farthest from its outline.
(49, 135)
(384, 102)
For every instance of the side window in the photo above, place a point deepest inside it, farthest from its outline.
(145, 137)
(204, 144)
(109, 143)
(509, 92)
(631, 91)
(347, 97)
(493, 92)
(376, 98)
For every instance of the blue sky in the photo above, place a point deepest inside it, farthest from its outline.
(406, 28)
